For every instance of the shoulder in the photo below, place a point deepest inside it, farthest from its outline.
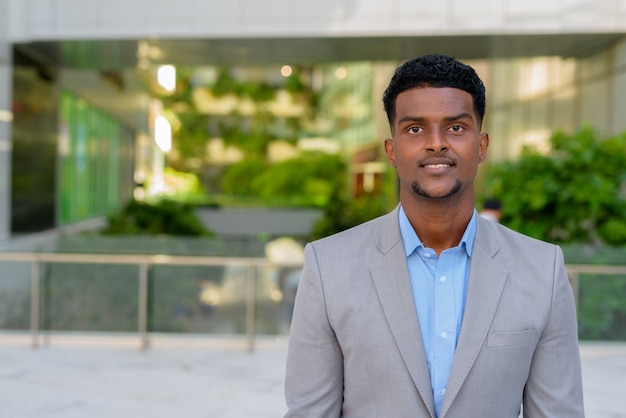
(497, 238)
(360, 237)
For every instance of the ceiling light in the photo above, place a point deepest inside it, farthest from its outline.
(166, 77)
(286, 70)
(163, 133)
(341, 73)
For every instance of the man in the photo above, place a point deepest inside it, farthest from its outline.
(492, 209)
(432, 311)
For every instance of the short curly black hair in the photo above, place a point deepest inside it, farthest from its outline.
(434, 70)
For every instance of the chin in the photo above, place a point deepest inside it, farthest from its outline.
(436, 193)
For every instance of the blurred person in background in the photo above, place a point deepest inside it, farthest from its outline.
(432, 310)
(492, 209)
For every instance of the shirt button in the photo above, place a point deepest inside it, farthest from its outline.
(443, 391)
(443, 334)
(443, 279)
(427, 255)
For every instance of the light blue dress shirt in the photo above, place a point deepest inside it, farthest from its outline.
(439, 288)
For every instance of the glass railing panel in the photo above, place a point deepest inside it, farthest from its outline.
(89, 297)
(602, 307)
(15, 282)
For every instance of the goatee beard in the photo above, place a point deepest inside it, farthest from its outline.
(421, 192)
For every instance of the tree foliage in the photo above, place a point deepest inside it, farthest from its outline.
(306, 180)
(576, 193)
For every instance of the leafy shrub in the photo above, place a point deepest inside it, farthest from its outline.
(575, 193)
(165, 216)
(238, 178)
(304, 181)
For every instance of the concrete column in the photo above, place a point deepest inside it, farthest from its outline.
(6, 117)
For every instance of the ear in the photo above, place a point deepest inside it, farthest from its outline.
(483, 145)
(391, 156)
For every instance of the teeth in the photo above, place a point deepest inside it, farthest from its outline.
(438, 165)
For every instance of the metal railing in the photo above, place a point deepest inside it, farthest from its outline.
(575, 270)
(144, 262)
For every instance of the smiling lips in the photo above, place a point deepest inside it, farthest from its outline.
(437, 164)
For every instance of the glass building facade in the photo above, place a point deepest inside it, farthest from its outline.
(95, 161)
(71, 161)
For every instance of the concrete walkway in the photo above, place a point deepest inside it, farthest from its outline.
(105, 376)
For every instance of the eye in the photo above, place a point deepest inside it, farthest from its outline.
(415, 129)
(457, 128)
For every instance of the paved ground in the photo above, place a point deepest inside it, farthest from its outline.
(98, 377)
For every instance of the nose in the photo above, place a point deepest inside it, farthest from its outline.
(436, 141)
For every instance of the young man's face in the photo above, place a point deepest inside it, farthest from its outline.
(437, 144)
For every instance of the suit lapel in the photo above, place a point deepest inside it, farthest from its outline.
(484, 288)
(393, 285)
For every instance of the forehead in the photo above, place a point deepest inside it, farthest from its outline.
(430, 102)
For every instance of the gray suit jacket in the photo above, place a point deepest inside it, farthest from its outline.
(355, 348)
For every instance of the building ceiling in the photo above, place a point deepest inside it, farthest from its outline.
(80, 63)
(118, 54)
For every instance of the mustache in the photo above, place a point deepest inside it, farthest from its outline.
(437, 159)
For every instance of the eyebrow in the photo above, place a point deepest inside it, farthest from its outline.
(463, 115)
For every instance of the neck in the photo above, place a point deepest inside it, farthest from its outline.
(439, 224)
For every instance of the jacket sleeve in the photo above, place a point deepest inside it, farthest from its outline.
(554, 386)
(314, 374)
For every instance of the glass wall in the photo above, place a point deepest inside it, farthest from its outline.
(95, 161)
(70, 160)
(35, 103)
(532, 97)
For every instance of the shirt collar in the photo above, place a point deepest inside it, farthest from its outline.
(412, 241)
